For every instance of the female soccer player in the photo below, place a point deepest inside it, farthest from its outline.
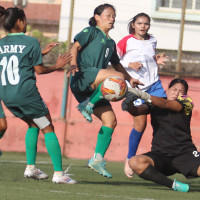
(172, 148)
(92, 50)
(137, 55)
(20, 58)
(3, 123)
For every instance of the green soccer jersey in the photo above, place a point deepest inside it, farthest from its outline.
(18, 55)
(97, 49)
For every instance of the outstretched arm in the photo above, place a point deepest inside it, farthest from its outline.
(157, 101)
(62, 60)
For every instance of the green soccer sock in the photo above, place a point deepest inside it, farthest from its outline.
(31, 145)
(54, 150)
(103, 140)
(96, 95)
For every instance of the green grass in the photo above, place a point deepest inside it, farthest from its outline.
(91, 186)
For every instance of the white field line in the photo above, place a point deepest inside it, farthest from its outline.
(83, 194)
(23, 161)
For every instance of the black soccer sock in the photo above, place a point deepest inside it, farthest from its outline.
(152, 174)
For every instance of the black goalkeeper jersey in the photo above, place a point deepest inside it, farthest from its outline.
(171, 130)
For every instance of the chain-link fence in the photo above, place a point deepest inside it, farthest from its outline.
(43, 17)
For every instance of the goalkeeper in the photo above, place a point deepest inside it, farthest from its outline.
(172, 148)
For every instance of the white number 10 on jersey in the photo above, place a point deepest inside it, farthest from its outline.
(11, 69)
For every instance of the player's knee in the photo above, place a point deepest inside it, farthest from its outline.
(3, 126)
(136, 163)
(112, 123)
(133, 163)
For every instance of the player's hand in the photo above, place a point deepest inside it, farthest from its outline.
(72, 70)
(161, 59)
(49, 47)
(142, 95)
(128, 101)
(135, 65)
(135, 82)
(62, 60)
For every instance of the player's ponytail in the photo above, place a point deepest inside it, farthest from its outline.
(92, 21)
(97, 11)
(2, 12)
(10, 16)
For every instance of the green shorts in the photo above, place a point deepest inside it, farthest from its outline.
(2, 115)
(80, 86)
(34, 110)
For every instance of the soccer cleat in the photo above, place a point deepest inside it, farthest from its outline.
(127, 170)
(63, 177)
(99, 166)
(86, 109)
(0, 152)
(180, 187)
(35, 173)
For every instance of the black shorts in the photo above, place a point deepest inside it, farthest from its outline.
(186, 163)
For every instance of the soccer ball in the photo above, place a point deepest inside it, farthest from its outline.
(114, 89)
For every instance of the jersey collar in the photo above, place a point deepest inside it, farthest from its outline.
(10, 34)
(103, 33)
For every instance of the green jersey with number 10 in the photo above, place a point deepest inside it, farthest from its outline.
(19, 54)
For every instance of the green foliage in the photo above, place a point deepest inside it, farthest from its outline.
(51, 57)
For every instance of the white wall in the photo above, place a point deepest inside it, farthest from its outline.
(166, 32)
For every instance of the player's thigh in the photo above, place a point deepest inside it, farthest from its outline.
(103, 74)
(82, 83)
(188, 163)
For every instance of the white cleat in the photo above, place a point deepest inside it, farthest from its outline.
(61, 177)
(35, 173)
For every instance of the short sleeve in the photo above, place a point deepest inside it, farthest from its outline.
(35, 53)
(85, 36)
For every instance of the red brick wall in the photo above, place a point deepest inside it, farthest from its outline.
(78, 137)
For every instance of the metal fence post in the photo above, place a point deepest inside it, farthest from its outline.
(179, 53)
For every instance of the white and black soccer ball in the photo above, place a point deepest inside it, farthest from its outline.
(114, 89)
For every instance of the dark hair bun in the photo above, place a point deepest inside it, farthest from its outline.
(2, 11)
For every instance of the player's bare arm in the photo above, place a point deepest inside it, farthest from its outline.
(62, 60)
(73, 64)
(166, 104)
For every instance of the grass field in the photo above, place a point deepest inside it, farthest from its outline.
(91, 186)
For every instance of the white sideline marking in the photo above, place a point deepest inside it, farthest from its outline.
(23, 161)
(86, 194)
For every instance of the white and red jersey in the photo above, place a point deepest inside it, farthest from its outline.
(130, 49)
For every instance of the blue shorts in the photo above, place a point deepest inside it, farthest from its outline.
(155, 90)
